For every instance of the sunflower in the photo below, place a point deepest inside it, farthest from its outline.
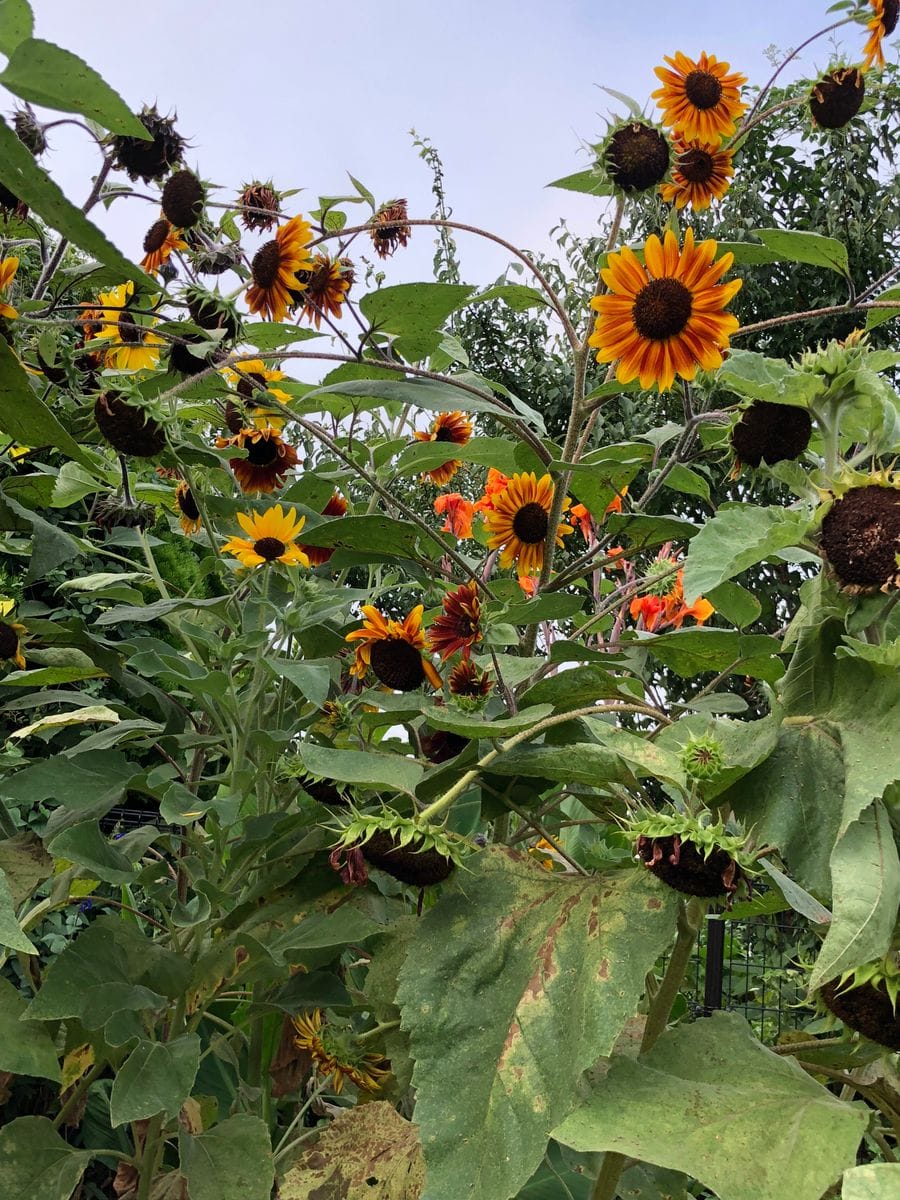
(452, 427)
(269, 458)
(882, 24)
(11, 636)
(274, 269)
(133, 347)
(319, 555)
(699, 99)
(250, 376)
(259, 204)
(270, 538)
(335, 1055)
(393, 649)
(388, 228)
(325, 286)
(186, 507)
(469, 682)
(8, 268)
(519, 522)
(161, 239)
(457, 512)
(700, 175)
(664, 318)
(458, 628)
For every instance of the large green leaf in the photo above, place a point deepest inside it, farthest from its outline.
(865, 880)
(26, 1048)
(516, 981)
(736, 538)
(231, 1161)
(380, 535)
(368, 1153)
(709, 1100)
(874, 1181)
(46, 74)
(11, 934)
(424, 393)
(617, 757)
(363, 767)
(757, 377)
(320, 930)
(86, 845)
(702, 648)
(35, 1162)
(16, 24)
(25, 863)
(591, 182)
(813, 248)
(488, 451)
(415, 313)
(30, 183)
(476, 726)
(157, 1077)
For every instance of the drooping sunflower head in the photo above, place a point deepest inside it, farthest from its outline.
(259, 204)
(459, 625)
(271, 537)
(695, 855)
(336, 507)
(388, 228)
(664, 317)
(636, 156)
(29, 130)
(771, 433)
(212, 312)
(418, 854)
(700, 174)
(153, 159)
(186, 507)
(860, 535)
(836, 99)
(183, 198)
(159, 242)
(394, 650)
(454, 428)
(701, 100)
(866, 999)
(336, 1055)
(274, 269)
(882, 24)
(11, 635)
(11, 205)
(520, 520)
(268, 459)
(325, 285)
(128, 428)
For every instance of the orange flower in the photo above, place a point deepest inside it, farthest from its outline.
(458, 514)
(319, 555)
(676, 609)
(648, 609)
(393, 649)
(452, 427)
(496, 482)
(615, 505)
(582, 517)
(162, 238)
(458, 627)
(882, 24)
(529, 584)
(616, 554)
(700, 99)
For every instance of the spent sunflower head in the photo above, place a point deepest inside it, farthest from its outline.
(866, 997)
(29, 130)
(700, 174)
(452, 427)
(259, 204)
(836, 99)
(860, 534)
(417, 854)
(635, 156)
(519, 522)
(388, 228)
(664, 317)
(395, 650)
(699, 99)
(459, 626)
(770, 433)
(153, 159)
(695, 855)
(268, 460)
(128, 428)
(271, 537)
(183, 198)
(274, 269)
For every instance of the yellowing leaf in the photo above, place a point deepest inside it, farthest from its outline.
(80, 716)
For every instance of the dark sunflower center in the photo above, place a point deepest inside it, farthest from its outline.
(530, 523)
(702, 89)
(9, 641)
(637, 157)
(269, 548)
(266, 262)
(397, 664)
(263, 452)
(662, 309)
(188, 505)
(156, 236)
(696, 165)
(891, 13)
(245, 387)
(445, 434)
(129, 330)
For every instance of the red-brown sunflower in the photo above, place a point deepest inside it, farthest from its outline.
(274, 269)
(700, 175)
(319, 555)
(326, 282)
(519, 521)
(336, 1056)
(700, 100)
(881, 25)
(161, 239)
(468, 681)
(269, 458)
(186, 507)
(452, 427)
(459, 626)
(393, 649)
(664, 318)
(388, 228)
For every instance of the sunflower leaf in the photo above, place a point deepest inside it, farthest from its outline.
(590, 182)
(803, 247)
(16, 24)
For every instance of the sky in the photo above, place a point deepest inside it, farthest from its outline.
(509, 91)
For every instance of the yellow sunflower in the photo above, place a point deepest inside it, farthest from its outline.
(249, 376)
(335, 1055)
(161, 239)
(11, 634)
(327, 281)
(452, 427)
(8, 268)
(882, 25)
(270, 538)
(699, 100)
(519, 521)
(186, 507)
(665, 317)
(393, 649)
(700, 175)
(274, 269)
(269, 458)
(133, 347)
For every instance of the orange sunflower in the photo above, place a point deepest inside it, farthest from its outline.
(459, 626)
(335, 1055)
(699, 100)
(326, 283)
(665, 317)
(457, 512)
(519, 522)
(700, 175)
(186, 507)
(161, 239)
(274, 269)
(882, 24)
(8, 268)
(452, 427)
(393, 649)
(269, 458)
(270, 538)
(319, 555)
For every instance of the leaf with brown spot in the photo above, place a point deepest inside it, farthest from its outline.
(515, 983)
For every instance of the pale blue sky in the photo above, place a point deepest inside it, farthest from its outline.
(506, 89)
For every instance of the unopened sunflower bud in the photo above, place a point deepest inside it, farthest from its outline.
(702, 757)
